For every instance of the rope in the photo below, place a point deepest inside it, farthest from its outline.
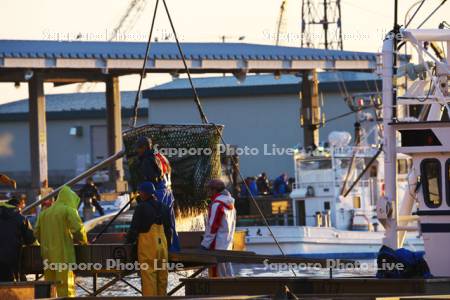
(341, 116)
(414, 14)
(372, 160)
(205, 120)
(133, 119)
(432, 13)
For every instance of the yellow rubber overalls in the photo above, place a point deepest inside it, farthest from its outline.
(152, 251)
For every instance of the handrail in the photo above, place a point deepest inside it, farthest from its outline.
(77, 179)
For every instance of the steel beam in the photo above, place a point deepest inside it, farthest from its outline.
(77, 179)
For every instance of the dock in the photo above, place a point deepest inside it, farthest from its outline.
(97, 259)
(240, 287)
(316, 288)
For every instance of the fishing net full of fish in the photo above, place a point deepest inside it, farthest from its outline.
(194, 155)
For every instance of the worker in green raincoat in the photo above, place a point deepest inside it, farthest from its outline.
(57, 228)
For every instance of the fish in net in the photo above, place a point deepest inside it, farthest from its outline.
(194, 155)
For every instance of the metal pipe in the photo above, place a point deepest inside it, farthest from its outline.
(372, 160)
(111, 221)
(78, 178)
(390, 140)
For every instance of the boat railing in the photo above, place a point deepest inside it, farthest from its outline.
(349, 151)
(305, 184)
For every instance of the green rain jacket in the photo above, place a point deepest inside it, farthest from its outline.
(59, 226)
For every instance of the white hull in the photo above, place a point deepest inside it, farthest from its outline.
(322, 242)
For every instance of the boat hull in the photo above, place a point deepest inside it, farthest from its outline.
(320, 242)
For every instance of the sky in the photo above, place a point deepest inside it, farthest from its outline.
(364, 23)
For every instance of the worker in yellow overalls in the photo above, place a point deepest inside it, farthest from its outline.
(150, 228)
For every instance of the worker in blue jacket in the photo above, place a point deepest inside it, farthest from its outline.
(280, 185)
(154, 167)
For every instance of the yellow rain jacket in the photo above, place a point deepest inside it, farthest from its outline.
(57, 228)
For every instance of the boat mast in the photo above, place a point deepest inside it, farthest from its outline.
(389, 138)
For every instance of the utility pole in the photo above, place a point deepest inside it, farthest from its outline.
(321, 24)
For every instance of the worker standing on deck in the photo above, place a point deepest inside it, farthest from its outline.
(155, 168)
(263, 184)
(221, 224)
(15, 231)
(280, 185)
(57, 228)
(150, 228)
(90, 196)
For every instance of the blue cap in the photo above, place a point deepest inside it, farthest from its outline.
(147, 187)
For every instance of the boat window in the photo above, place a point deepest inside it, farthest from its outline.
(447, 181)
(402, 166)
(318, 164)
(356, 202)
(342, 163)
(410, 164)
(430, 170)
(373, 171)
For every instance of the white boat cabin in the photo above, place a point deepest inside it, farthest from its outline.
(325, 193)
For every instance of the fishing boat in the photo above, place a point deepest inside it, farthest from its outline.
(331, 211)
(425, 138)
(402, 201)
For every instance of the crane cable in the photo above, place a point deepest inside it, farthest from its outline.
(431, 14)
(188, 73)
(203, 117)
(205, 120)
(133, 119)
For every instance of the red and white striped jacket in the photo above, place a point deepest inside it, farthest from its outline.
(221, 223)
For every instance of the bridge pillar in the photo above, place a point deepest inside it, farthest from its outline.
(114, 132)
(310, 111)
(37, 134)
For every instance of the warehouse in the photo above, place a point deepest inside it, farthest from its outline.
(260, 114)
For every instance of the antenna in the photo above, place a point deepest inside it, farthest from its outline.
(395, 36)
(325, 14)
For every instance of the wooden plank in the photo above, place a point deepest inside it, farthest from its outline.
(27, 290)
(312, 286)
(31, 262)
(246, 257)
(123, 253)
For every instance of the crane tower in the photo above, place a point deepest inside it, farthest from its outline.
(321, 24)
